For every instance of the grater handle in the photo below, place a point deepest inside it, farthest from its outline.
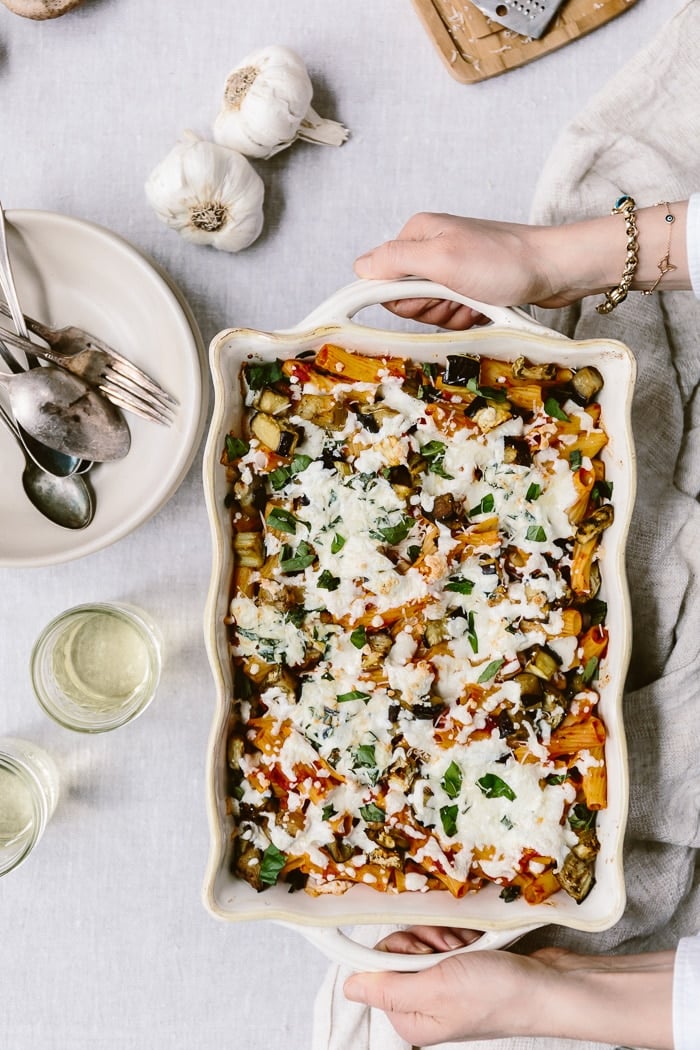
(340, 948)
(341, 307)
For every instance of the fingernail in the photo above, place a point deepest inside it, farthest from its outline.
(454, 940)
(420, 947)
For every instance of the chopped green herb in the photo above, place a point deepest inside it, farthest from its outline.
(396, 533)
(452, 781)
(429, 369)
(327, 581)
(299, 463)
(493, 787)
(282, 520)
(295, 615)
(491, 671)
(435, 467)
(536, 533)
(365, 757)
(264, 373)
(448, 816)
(507, 823)
(272, 863)
(575, 459)
(279, 478)
(510, 894)
(555, 778)
(413, 551)
(359, 637)
(602, 490)
(433, 449)
(235, 447)
(581, 818)
(295, 561)
(554, 409)
(337, 543)
(459, 585)
(471, 633)
(355, 694)
(591, 669)
(328, 812)
(491, 393)
(238, 791)
(484, 507)
(372, 813)
(533, 492)
(597, 610)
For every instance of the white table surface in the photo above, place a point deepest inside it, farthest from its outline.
(104, 941)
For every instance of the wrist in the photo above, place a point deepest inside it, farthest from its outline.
(624, 1000)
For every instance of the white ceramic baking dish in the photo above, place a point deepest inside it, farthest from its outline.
(513, 333)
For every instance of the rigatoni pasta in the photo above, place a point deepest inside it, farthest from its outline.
(415, 625)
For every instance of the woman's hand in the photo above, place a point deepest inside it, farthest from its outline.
(494, 262)
(498, 994)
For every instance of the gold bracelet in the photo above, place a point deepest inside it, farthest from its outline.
(664, 265)
(624, 206)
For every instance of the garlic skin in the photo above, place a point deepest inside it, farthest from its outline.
(208, 193)
(267, 106)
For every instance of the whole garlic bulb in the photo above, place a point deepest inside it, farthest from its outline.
(267, 105)
(208, 193)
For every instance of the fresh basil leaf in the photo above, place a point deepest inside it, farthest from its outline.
(272, 863)
(597, 610)
(413, 552)
(471, 633)
(484, 507)
(459, 585)
(490, 671)
(328, 812)
(264, 373)
(533, 492)
(355, 694)
(575, 459)
(397, 533)
(493, 787)
(299, 463)
(327, 581)
(282, 520)
(433, 449)
(365, 757)
(555, 778)
(295, 561)
(591, 669)
(554, 409)
(435, 467)
(536, 534)
(235, 447)
(448, 816)
(491, 393)
(278, 478)
(581, 818)
(359, 637)
(372, 813)
(602, 490)
(452, 781)
(295, 615)
(337, 543)
(510, 894)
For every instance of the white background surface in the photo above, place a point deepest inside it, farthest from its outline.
(104, 942)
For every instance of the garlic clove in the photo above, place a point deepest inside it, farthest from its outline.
(208, 193)
(267, 106)
(41, 9)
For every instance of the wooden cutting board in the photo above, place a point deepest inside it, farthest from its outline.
(474, 47)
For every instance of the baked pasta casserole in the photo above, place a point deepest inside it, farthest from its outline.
(415, 625)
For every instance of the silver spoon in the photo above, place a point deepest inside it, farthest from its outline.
(64, 412)
(46, 458)
(66, 501)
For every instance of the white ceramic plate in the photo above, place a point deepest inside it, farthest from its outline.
(513, 334)
(72, 272)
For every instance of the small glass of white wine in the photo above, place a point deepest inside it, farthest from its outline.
(28, 795)
(96, 667)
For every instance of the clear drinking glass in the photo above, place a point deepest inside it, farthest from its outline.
(28, 796)
(96, 667)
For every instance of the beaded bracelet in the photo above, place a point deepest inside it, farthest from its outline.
(624, 206)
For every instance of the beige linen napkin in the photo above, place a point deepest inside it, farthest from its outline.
(641, 135)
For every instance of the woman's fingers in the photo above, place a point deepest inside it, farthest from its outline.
(423, 939)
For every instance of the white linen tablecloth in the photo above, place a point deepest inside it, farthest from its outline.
(105, 944)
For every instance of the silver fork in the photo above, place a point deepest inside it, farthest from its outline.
(115, 381)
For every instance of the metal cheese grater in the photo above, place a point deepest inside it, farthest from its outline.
(529, 17)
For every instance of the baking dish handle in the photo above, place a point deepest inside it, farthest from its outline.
(340, 948)
(346, 302)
